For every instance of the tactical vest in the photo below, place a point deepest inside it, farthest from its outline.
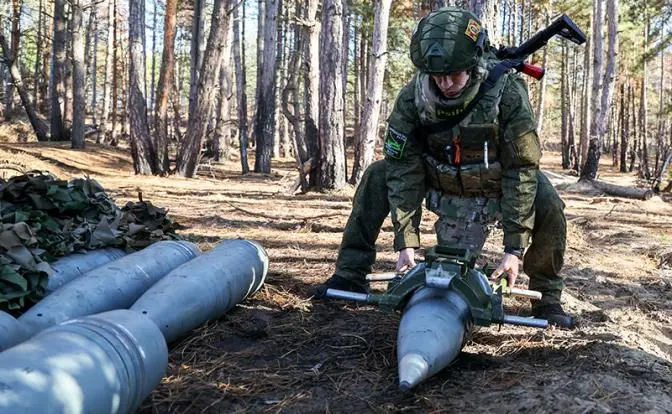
(463, 160)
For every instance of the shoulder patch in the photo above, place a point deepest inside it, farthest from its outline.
(395, 142)
(473, 30)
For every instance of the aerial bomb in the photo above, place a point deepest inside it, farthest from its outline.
(70, 267)
(434, 326)
(204, 288)
(105, 363)
(115, 285)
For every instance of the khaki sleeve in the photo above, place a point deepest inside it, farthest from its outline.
(405, 170)
(520, 155)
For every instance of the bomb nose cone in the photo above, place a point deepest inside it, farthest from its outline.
(413, 369)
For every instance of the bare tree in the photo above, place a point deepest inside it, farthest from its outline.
(264, 124)
(331, 166)
(155, 6)
(79, 74)
(586, 99)
(220, 138)
(291, 107)
(142, 147)
(603, 88)
(644, 170)
(312, 89)
(57, 81)
(188, 156)
(197, 49)
(166, 75)
(93, 31)
(368, 131)
(109, 69)
(15, 76)
(241, 85)
(15, 41)
(37, 81)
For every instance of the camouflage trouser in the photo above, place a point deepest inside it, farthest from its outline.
(543, 259)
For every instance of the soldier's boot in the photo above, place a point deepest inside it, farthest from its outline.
(554, 314)
(545, 256)
(357, 252)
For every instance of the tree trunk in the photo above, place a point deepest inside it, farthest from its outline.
(625, 129)
(369, 128)
(312, 87)
(142, 147)
(356, 107)
(109, 69)
(621, 191)
(189, 152)
(264, 124)
(279, 79)
(45, 102)
(67, 103)
(115, 75)
(291, 110)
(166, 75)
(78, 75)
(56, 84)
(94, 68)
(644, 170)
(331, 164)
(15, 76)
(261, 16)
(241, 85)
(635, 131)
(15, 41)
(602, 87)
(222, 130)
(38, 55)
(197, 49)
(586, 100)
(153, 74)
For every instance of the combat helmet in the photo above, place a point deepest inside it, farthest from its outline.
(447, 40)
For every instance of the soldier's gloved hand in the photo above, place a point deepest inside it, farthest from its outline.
(509, 264)
(406, 260)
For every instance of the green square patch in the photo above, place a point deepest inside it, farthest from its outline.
(395, 142)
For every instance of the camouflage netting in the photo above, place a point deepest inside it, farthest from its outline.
(44, 218)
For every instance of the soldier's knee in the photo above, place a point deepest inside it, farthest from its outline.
(375, 172)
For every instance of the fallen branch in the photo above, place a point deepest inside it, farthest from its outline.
(622, 191)
(254, 213)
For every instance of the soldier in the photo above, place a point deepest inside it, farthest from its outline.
(483, 165)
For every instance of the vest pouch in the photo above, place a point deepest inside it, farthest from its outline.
(473, 138)
(471, 179)
(480, 181)
(444, 177)
(491, 179)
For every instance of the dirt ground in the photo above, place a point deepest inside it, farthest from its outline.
(280, 352)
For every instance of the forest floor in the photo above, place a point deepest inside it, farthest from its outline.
(281, 352)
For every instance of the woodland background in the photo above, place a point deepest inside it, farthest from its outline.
(183, 82)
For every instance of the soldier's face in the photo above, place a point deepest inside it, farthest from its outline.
(451, 84)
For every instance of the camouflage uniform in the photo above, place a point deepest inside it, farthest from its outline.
(482, 169)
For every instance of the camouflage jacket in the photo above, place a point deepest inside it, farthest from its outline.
(408, 147)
